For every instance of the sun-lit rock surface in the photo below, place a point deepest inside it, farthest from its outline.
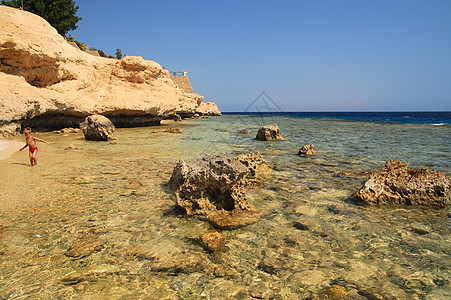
(396, 184)
(48, 83)
(215, 187)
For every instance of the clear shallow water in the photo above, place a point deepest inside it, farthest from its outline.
(116, 195)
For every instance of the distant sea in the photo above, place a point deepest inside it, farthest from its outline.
(417, 117)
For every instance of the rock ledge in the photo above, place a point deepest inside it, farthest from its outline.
(398, 185)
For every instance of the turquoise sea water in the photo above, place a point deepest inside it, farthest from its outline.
(436, 118)
(111, 200)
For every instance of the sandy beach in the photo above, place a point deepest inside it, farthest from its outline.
(8, 147)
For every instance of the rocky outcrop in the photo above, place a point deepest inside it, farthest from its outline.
(398, 185)
(215, 187)
(47, 83)
(97, 128)
(269, 132)
(306, 150)
(208, 109)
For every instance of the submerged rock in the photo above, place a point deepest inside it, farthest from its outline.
(178, 263)
(236, 220)
(212, 240)
(396, 184)
(306, 150)
(174, 130)
(215, 187)
(91, 273)
(300, 226)
(270, 265)
(84, 247)
(335, 292)
(355, 174)
(67, 130)
(97, 128)
(269, 132)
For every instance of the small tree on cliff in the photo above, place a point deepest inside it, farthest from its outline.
(59, 13)
(119, 54)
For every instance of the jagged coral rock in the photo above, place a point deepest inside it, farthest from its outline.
(398, 185)
(215, 187)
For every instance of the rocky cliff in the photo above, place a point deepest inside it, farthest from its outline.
(47, 83)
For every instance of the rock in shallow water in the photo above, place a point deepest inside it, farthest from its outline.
(174, 130)
(398, 185)
(335, 292)
(97, 128)
(91, 273)
(215, 187)
(269, 132)
(179, 263)
(84, 247)
(212, 240)
(306, 150)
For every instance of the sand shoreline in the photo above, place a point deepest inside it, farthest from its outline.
(8, 147)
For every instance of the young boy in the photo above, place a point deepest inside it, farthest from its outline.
(30, 142)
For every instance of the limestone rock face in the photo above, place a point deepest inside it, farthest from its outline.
(47, 83)
(215, 187)
(398, 185)
(269, 132)
(306, 150)
(97, 128)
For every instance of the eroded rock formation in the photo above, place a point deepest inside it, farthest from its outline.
(47, 83)
(97, 128)
(215, 187)
(269, 132)
(306, 150)
(396, 184)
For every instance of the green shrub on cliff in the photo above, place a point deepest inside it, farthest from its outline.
(101, 53)
(119, 54)
(82, 46)
(59, 13)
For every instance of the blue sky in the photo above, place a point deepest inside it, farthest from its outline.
(353, 55)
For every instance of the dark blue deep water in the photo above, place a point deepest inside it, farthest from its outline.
(433, 118)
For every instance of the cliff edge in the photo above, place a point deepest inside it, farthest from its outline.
(47, 83)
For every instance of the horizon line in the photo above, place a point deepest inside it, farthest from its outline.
(337, 111)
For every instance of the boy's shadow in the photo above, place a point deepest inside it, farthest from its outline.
(22, 164)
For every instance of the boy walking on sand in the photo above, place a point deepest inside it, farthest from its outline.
(30, 142)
